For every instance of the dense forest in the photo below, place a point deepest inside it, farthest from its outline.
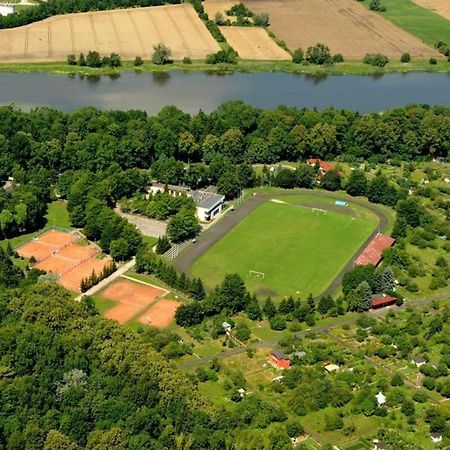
(45, 9)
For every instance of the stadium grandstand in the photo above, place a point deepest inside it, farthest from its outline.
(373, 253)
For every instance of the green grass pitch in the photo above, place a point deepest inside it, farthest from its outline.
(298, 250)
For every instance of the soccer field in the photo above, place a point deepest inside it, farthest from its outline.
(298, 250)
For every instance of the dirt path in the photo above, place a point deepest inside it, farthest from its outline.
(318, 329)
(224, 226)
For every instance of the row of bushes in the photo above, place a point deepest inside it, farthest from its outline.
(93, 279)
(93, 59)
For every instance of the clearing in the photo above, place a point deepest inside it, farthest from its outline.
(441, 7)
(297, 249)
(254, 43)
(345, 26)
(128, 32)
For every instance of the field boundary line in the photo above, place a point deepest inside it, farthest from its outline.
(94, 33)
(136, 30)
(116, 33)
(127, 277)
(177, 30)
(72, 34)
(25, 50)
(153, 24)
(49, 37)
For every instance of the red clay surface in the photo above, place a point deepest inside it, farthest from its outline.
(123, 312)
(161, 314)
(72, 280)
(45, 245)
(78, 252)
(132, 298)
(129, 292)
(56, 265)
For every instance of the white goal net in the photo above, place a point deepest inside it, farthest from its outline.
(319, 211)
(256, 274)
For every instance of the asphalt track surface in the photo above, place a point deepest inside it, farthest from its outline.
(230, 220)
(319, 329)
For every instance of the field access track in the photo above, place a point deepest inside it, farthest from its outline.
(441, 7)
(128, 32)
(227, 223)
(345, 26)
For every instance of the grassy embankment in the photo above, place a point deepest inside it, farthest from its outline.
(346, 68)
(427, 25)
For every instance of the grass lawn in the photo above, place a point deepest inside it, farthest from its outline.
(296, 249)
(421, 22)
(57, 216)
(102, 304)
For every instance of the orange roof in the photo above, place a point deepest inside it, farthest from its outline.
(382, 300)
(323, 165)
(372, 254)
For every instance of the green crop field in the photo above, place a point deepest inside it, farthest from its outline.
(298, 250)
(421, 22)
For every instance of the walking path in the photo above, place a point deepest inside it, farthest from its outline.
(118, 273)
(227, 223)
(319, 329)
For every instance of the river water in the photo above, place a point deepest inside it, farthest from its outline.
(194, 91)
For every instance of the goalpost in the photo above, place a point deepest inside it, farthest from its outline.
(256, 274)
(319, 211)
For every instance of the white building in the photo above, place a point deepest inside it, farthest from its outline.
(381, 398)
(208, 203)
(6, 9)
(436, 437)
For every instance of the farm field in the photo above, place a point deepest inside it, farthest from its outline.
(345, 26)
(441, 7)
(298, 251)
(254, 43)
(417, 20)
(129, 32)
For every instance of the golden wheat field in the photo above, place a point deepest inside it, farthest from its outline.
(129, 32)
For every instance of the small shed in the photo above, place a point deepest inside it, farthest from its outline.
(381, 398)
(436, 437)
(279, 360)
(332, 368)
(418, 361)
(383, 300)
(341, 203)
(226, 326)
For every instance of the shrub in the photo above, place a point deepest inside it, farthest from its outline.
(93, 59)
(261, 19)
(338, 58)
(161, 54)
(187, 60)
(278, 322)
(71, 60)
(222, 56)
(406, 58)
(297, 56)
(412, 287)
(433, 61)
(375, 59)
(81, 60)
(138, 61)
(319, 54)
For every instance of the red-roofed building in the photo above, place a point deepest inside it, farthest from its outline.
(373, 253)
(380, 301)
(324, 166)
(279, 360)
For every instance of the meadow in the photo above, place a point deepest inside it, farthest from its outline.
(298, 250)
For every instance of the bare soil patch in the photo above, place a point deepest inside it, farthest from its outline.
(129, 32)
(441, 7)
(254, 43)
(161, 314)
(344, 25)
(212, 7)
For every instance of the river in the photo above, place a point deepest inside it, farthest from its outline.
(194, 91)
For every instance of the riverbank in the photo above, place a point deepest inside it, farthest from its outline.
(347, 68)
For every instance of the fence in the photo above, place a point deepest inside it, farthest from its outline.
(175, 250)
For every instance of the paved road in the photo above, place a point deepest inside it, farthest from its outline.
(319, 329)
(224, 226)
(118, 273)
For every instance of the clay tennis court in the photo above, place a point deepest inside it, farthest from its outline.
(344, 25)
(161, 314)
(128, 32)
(441, 7)
(254, 43)
(72, 279)
(46, 244)
(66, 259)
(132, 298)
